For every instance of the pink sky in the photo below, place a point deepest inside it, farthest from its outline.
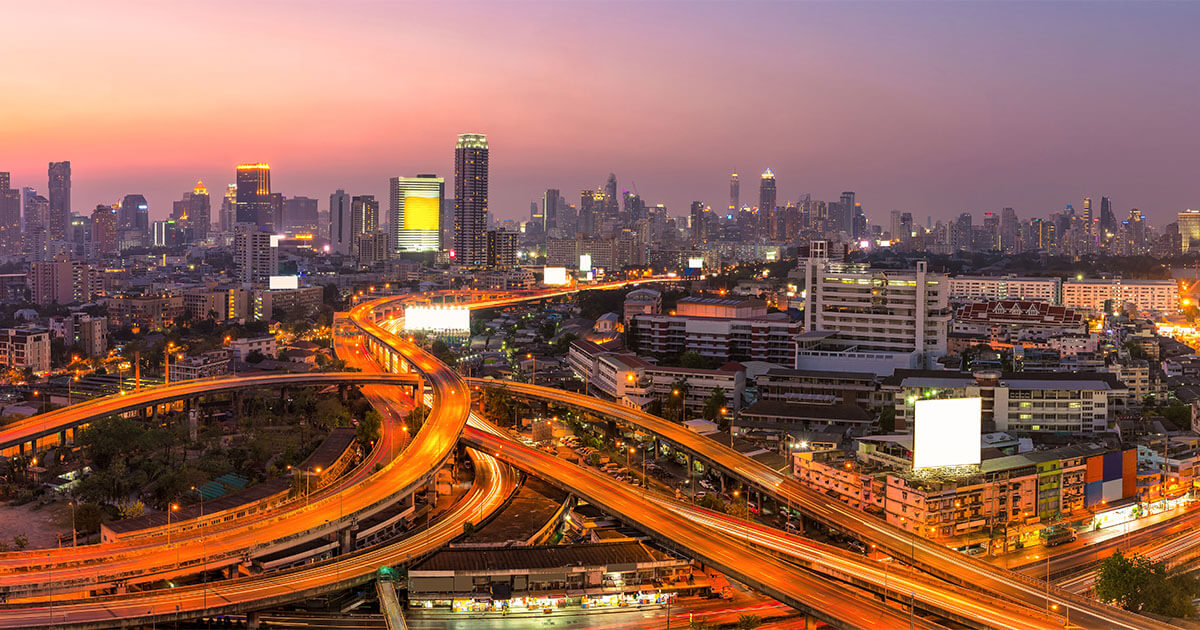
(930, 108)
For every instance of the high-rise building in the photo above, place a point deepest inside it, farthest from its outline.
(1009, 231)
(550, 203)
(228, 208)
(371, 248)
(501, 249)
(10, 215)
(1189, 231)
(414, 213)
(611, 210)
(194, 211)
(37, 219)
(300, 215)
(256, 260)
(1108, 221)
(766, 201)
(254, 194)
(850, 210)
(341, 236)
(364, 214)
(591, 204)
(1088, 223)
(699, 217)
(470, 199)
(133, 214)
(104, 230)
(59, 190)
(735, 194)
(277, 220)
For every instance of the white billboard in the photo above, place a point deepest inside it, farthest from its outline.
(695, 263)
(284, 282)
(946, 432)
(585, 262)
(555, 276)
(437, 318)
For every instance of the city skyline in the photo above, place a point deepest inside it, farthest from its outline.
(994, 108)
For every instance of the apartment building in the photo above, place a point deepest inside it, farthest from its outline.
(734, 330)
(88, 334)
(1017, 319)
(146, 312)
(242, 348)
(1095, 295)
(22, 348)
(208, 364)
(1070, 403)
(858, 318)
(1010, 287)
(635, 382)
(819, 387)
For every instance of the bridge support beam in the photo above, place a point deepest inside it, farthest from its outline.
(253, 621)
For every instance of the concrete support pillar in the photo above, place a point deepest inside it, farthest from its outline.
(239, 399)
(252, 621)
(810, 622)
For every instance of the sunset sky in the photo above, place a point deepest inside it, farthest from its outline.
(929, 108)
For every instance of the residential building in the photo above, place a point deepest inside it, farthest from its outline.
(284, 304)
(470, 200)
(104, 231)
(1102, 295)
(501, 249)
(253, 203)
(243, 347)
(783, 418)
(89, 335)
(22, 348)
(641, 302)
(254, 256)
(205, 365)
(10, 215)
(1017, 319)
(64, 282)
(634, 382)
(1010, 287)
(144, 312)
(820, 387)
(220, 303)
(725, 329)
(341, 235)
(364, 215)
(59, 190)
(371, 248)
(1023, 403)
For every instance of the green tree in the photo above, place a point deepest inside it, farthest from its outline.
(887, 419)
(20, 542)
(674, 405)
(369, 428)
(693, 360)
(748, 622)
(714, 404)
(1138, 584)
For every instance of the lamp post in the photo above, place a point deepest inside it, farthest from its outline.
(167, 362)
(73, 537)
(171, 508)
(308, 484)
(533, 372)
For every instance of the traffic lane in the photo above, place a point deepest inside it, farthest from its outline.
(494, 483)
(778, 579)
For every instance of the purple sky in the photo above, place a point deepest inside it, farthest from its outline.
(929, 108)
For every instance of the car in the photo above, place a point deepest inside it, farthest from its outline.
(700, 495)
(706, 484)
(974, 551)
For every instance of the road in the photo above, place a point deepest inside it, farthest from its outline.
(920, 552)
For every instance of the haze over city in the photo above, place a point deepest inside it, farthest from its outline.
(932, 109)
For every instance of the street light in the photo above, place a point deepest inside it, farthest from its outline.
(174, 507)
(533, 373)
(167, 362)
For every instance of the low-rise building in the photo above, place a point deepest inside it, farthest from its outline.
(22, 348)
(89, 335)
(784, 418)
(1100, 295)
(1017, 319)
(821, 387)
(242, 348)
(208, 364)
(734, 330)
(145, 312)
(632, 381)
(1010, 287)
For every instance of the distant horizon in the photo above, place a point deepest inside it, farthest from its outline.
(928, 108)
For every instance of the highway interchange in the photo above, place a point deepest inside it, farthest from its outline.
(980, 595)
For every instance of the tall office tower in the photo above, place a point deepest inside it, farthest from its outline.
(254, 194)
(1040, 231)
(415, 213)
(134, 217)
(550, 202)
(228, 209)
(735, 194)
(961, 232)
(699, 223)
(906, 226)
(255, 259)
(849, 212)
(501, 249)
(364, 214)
(591, 203)
(277, 220)
(10, 215)
(1189, 230)
(766, 203)
(104, 230)
(1009, 231)
(59, 190)
(300, 215)
(537, 219)
(611, 208)
(341, 236)
(1087, 215)
(894, 232)
(1135, 233)
(1108, 221)
(37, 219)
(194, 211)
(989, 236)
(635, 208)
(471, 199)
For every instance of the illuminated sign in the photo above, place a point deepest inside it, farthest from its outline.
(421, 213)
(555, 276)
(695, 263)
(585, 262)
(284, 282)
(946, 432)
(437, 318)
(275, 238)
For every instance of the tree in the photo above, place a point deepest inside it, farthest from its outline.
(368, 430)
(1138, 584)
(20, 542)
(88, 517)
(748, 622)
(693, 360)
(887, 419)
(714, 404)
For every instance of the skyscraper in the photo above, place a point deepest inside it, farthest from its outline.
(1087, 216)
(37, 216)
(133, 219)
(10, 215)
(501, 249)
(228, 208)
(59, 190)
(471, 199)
(300, 214)
(194, 211)
(1108, 221)
(766, 202)
(341, 238)
(414, 213)
(104, 230)
(253, 255)
(849, 212)
(735, 193)
(611, 209)
(550, 202)
(254, 194)
(364, 214)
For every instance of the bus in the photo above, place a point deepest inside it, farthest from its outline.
(1059, 535)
